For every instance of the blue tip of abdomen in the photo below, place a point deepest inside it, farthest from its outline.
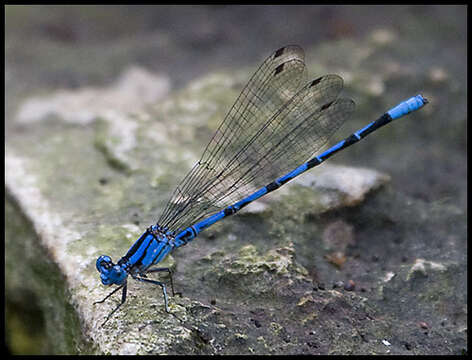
(412, 104)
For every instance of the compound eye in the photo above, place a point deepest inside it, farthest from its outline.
(104, 263)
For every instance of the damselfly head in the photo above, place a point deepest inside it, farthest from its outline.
(109, 272)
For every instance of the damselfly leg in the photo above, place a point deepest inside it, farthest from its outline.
(123, 299)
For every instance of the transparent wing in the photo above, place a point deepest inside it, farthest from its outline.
(263, 95)
(270, 130)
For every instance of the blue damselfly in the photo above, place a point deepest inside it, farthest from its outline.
(277, 122)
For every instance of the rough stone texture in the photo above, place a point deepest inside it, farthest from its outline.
(87, 170)
(50, 206)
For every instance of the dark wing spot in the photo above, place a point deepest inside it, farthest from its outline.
(325, 106)
(279, 52)
(316, 81)
(279, 69)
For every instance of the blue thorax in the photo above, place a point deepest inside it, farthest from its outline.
(150, 248)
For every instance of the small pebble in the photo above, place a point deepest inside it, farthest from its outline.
(350, 285)
(423, 325)
(338, 284)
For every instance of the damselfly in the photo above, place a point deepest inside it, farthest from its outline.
(277, 122)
